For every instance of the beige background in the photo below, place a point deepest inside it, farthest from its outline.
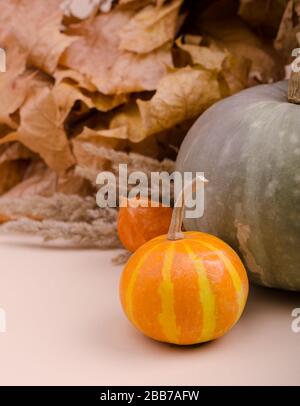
(65, 327)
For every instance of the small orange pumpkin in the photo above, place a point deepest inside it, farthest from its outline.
(137, 225)
(184, 288)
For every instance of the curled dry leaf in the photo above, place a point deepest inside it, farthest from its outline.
(129, 122)
(150, 28)
(73, 76)
(100, 137)
(97, 55)
(289, 29)
(210, 56)
(65, 96)
(6, 10)
(181, 95)
(213, 57)
(14, 85)
(41, 130)
(105, 103)
(65, 88)
(36, 29)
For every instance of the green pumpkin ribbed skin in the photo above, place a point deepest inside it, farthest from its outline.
(248, 147)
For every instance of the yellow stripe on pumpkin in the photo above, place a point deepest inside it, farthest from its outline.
(206, 295)
(131, 285)
(167, 318)
(235, 277)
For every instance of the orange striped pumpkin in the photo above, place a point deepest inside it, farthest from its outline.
(184, 288)
(137, 225)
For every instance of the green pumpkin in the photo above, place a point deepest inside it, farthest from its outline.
(248, 147)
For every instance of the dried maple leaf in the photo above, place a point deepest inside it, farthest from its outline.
(150, 28)
(97, 55)
(69, 75)
(65, 96)
(210, 57)
(36, 29)
(129, 121)
(286, 39)
(105, 103)
(14, 85)
(213, 57)
(102, 136)
(41, 130)
(75, 82)
(181, 95)
(6, 9)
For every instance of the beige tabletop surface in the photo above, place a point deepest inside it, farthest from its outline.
(64, 326)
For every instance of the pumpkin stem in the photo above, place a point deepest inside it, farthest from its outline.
(294, 88)
(175, 230)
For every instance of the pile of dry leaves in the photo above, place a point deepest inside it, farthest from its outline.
(94, 83)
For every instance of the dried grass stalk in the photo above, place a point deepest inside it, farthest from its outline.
(59, 207)
(122, 258)
(98, 234)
